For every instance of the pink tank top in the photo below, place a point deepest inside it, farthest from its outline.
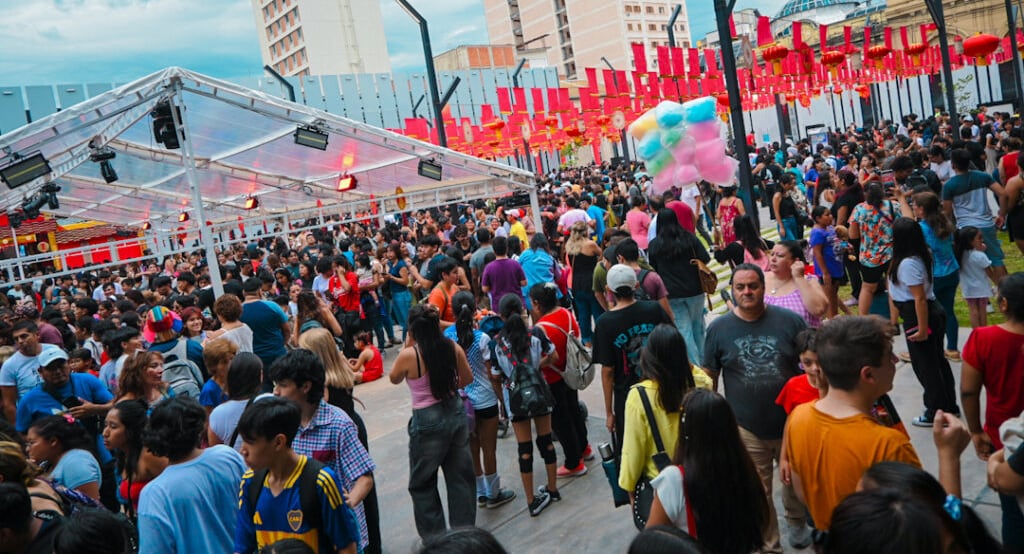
(419, 388)
(793, 303)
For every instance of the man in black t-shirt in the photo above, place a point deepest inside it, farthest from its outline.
(619, 337)
(974, 148)
(753, 349)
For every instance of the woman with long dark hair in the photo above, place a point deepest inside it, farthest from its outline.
(142, 378)
(871, 223)
(136, 465)
(435, 368)
(313, 313)
(245, 375)
(672, 253)
(938, 233)
(665, 385)
(911, 292)
(710, 458)
(516, 341)
(483, 438)
(749, 247)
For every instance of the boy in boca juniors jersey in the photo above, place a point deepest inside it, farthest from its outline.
(285, 495)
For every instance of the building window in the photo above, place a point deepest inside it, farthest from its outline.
(650, 9)
(664, 27)
(654, 44)
(652, 27)
(661, 10)
(266, 13)
(298, 33)
(629, 26)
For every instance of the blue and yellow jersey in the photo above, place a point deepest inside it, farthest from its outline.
(281, 517)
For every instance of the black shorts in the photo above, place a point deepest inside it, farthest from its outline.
(1015, 223)
(842, 280)
(487, 413)
(872, 275)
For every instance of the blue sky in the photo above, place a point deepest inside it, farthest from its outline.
(75, 41)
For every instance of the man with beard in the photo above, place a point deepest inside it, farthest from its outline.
(753, 349)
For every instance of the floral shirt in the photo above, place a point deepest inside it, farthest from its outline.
(875, 233)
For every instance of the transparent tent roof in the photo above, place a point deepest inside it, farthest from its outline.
(242, 144)
(796, 7)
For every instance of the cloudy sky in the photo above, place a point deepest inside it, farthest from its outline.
(74, 41)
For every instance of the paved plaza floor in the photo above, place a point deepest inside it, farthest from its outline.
(585, 520)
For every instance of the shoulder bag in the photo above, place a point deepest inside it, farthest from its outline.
(643, 493)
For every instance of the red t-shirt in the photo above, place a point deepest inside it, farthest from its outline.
(373, 369)
(562, 318)
(999, 356)
(1008, 166)
(684, 214)
(347, 301)
(798, 390)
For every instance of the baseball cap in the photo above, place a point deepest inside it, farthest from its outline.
(621, 276)
(513, 213)
(50, 355)
(162, 319)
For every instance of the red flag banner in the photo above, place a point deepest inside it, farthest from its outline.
(798, 36)
(694, 56)
(678, 62)
(504, 101)
(610, 88)
(664, 61)
(522, 108)
(764, 31)
(639, 57)
(538, 100)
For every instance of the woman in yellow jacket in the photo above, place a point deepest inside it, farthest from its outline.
(665, 386)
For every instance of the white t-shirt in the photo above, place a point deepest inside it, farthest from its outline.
(689, 195)
(973, 280)
(668, 485)
(224, 419)
(911, 272)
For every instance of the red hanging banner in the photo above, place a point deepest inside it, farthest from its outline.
(639, 57)
(678, 62)
(664, 62)
(504, 101)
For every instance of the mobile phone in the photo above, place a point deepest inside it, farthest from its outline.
(888, 181)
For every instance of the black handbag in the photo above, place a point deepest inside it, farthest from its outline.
(643, 493)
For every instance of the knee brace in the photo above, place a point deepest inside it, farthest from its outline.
(547, 448)
(525, 457)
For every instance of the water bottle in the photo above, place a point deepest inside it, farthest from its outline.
(619, 496)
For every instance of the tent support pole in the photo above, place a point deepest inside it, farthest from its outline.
(205, 235)
(535, 208)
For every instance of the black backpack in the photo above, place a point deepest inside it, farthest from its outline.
(641, 294)
(308, 499)
(528, 394)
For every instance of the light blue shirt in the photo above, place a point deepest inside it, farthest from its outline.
(76, 468)
(23, 371)
(480, 391)
(539, 267)
(192, 506)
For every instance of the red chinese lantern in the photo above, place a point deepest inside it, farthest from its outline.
(980, 47)
(790, 97)
(878, 54)
(915, 50)
(723, 101)
(572, 132)
(833, 59)
(805, 100)
(774, 54)
(551, 122)
(602, 120)
(864, 91)
(837, 90)
(497, 125)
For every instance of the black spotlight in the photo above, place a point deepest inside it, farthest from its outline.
(15, 218)
(51, 190)
(32, 206)
(164, 131)
(107, 170)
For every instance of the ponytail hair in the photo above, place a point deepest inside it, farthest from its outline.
(464, 306)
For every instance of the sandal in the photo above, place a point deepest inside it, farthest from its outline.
(953, 356)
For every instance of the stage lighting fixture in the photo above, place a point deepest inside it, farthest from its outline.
(164, 131)
(429, 169)
(251, 203)
(312, 137)
(183, 217)
(346, 183)
(24, 170)
(107, 170)
(102, 155)
(147, 226)
(15, 219)
(31, 206)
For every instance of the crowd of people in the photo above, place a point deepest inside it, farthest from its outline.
(143, 412)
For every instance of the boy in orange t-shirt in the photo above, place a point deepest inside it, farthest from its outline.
(446, 287)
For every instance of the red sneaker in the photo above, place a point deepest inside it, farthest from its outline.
(588, 453)
(574, 472)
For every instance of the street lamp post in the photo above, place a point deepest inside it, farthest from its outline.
(1011, 17)
(938, 14)
(437, 102)
(723, 9)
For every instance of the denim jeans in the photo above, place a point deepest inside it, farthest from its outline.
(385, 317)
(1013, 524)
(791, 227)
(400, 304)
(439, 439)
(689, 314)
(587, 307)
(945, 293)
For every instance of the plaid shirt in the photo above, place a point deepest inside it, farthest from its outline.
(332, 438)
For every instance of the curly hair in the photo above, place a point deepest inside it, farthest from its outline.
(14, 467)
(133, 415)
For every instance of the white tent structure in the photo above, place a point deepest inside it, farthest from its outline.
(235, 144)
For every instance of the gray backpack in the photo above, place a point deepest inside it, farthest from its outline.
(180, 373)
